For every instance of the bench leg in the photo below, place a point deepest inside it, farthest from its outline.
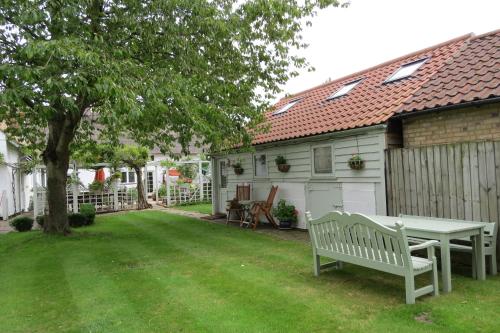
(493, 264)
(435, 279)
(316, 264)
(410, 289)
(340, 264)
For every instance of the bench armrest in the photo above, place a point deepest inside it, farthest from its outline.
(424, 245)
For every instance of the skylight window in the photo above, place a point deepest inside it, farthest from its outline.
(345, 89)
(287, 106)
(406, 70)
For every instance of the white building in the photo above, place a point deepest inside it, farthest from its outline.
(15, 186)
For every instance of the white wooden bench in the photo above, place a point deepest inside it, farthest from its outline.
(356, 239)
(490, 242)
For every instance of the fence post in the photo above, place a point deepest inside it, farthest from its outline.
(167, 182)
(74, 188)
(35, 194)
(115, 195)
(200, 179)
(155, 180)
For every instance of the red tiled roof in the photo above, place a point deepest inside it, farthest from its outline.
(472, 74)
(371, 102)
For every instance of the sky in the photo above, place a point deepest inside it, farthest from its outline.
(369, 32)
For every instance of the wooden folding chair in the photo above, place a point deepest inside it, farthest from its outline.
(264, 207)
(243, 193)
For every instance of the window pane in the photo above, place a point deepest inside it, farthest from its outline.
(323, 160)
(124, 177)
(223, 174)
(131, 177)
(260, 165)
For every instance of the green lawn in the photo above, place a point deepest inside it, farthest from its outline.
(155, 272)
(204, 208)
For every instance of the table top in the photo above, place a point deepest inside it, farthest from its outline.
(428, 223)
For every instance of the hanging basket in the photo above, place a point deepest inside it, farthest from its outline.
(283, 167)
(238, 171)
(356, 162)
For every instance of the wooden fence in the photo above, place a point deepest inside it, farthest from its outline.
(460, 181)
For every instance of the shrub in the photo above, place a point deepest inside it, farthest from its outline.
(88, 211)
(22, 223)
(40, 219)
(76, 220)
(162, 191)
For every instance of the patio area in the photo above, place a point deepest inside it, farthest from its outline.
(153, 271)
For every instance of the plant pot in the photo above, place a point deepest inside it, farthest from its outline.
(238, 171)
(356, 164)
(283, 167)
(285, 225)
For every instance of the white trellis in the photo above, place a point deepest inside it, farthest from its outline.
(112, 197)
(176, 192)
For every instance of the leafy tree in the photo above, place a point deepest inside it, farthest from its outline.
(159, 71)
(136, 158)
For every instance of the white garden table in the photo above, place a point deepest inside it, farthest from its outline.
(443, 231)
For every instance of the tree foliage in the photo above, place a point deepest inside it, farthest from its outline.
(156, 71)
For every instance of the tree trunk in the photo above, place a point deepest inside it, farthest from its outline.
(142, 202)
(56, 158)
(57, 222)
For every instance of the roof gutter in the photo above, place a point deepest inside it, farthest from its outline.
(409, 114)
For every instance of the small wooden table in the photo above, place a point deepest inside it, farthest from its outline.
(443, 231)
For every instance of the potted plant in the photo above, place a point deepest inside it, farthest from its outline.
(286, 214)
(238, 169)
(281, 163)
(356, 162)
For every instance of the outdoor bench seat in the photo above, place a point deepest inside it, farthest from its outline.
(490, 243)
(356, 239)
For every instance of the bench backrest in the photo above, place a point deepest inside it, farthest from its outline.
(358, 236)
(490, 229)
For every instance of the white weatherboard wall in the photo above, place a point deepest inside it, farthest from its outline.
(347, 189)
(16, 191)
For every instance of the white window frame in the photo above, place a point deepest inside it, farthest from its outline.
(287, 106)
(255, 168)
(339, 92)
(391, 78)
(332, 148)
(128, 171)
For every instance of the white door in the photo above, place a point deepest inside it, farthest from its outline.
(222, 181)
(324, 198)
(359, 198)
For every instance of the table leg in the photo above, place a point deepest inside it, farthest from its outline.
(480, 261)
(445, 263)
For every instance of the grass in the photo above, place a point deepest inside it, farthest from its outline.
(204, 208)
(155, 272)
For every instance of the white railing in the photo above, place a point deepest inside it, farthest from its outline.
(188, 193)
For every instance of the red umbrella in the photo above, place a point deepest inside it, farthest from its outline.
(100, 176)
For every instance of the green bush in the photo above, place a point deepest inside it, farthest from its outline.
(162, 191)
(22, 223)
(40, 219)
(88, 211)
(76, 220)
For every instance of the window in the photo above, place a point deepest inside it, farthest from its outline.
(260, 165)
(323, 160)
(287, 106)
(131, 177)
(345, 89)
(124, 177)
(406, 70)
(223, 174)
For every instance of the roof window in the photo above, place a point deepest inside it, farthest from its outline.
(406, 70)
(345, 89)
(287, 107)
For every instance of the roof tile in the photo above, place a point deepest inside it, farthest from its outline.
(370, 102)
